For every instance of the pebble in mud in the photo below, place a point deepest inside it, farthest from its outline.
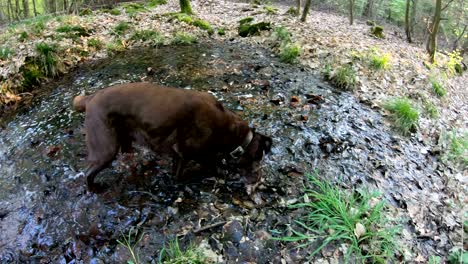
(233, 231)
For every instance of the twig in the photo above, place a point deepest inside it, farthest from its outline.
(201, 229)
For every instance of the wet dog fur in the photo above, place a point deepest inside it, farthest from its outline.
(190, 125)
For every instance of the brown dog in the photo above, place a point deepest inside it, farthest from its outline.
(192, 125)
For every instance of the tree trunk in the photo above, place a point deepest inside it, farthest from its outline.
(185, 7)
(17, 9)
(413, 16)
(351, 12)
(298, 7)
(368, 9)
(9, 14)
(34, 7)
(25, 8)
(433, 30)
(407, 21)
(306, 10)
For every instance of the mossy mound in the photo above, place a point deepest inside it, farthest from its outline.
(377, 31)
(247, 29)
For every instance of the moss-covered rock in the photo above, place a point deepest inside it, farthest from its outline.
(86, 12)
(246, 20)
(377, 31)
(247, 29)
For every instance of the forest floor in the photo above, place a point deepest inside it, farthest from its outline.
(431, 200)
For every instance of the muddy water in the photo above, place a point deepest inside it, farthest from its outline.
(46, 214)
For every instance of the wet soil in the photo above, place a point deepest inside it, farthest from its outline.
(48, 216)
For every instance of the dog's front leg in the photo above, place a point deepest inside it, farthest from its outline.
(178, 163)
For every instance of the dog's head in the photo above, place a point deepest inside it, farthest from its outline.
(250, 161)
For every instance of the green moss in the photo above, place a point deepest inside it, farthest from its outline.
(289, 52)
(404, 115)
(183, 17)
(203, 24)
(344, 77)
(246, 29)
(181, 38)
(32, 75)
(377, 31)
(221, 31)
(246, 20)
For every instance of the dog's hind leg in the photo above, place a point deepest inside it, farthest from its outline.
(102, 146)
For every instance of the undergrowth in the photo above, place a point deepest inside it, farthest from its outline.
(173, 254)
(404, 115)
(182, 38)
(335, 216)
(344, 77)
(437, 87)
(130, 241)
(148, 35)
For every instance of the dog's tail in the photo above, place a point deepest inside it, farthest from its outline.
(80, 101)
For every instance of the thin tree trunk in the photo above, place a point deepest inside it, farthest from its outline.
(413, 16)
(25, 8)
(306, 10)
(185, 7)
(368, 9)
(351, 12)
(34, 7)
(65, 5)
(17, 9)
(407, 21)
(9, 10)
(298, 7)
(432, 41)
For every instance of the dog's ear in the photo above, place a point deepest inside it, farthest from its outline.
(266, 143)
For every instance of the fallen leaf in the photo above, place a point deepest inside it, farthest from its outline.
(359, 230)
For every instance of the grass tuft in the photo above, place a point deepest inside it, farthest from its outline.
(131, 241)
(181, 38)
(379, 61)
(95, 43)
(437, 87)
(47, 58)
(173, 254)
(334, 216)
(457, 147)
(133, 8)
(270, 10)
(403, 113)
(115, 46)
(23, 35)
(282, 34)
(344, 77)
(289, 52)
(154, 3)
(431, 110)
(121, 28)
(5, 53)
(148, 35)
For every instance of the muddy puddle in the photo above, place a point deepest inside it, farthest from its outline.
(48, 216)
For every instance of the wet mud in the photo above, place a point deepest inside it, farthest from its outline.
(48, 216)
